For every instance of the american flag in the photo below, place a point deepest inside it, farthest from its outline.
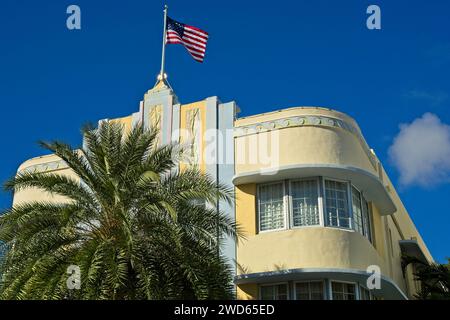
(193, 39)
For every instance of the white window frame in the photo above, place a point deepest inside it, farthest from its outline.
(356, 286)
(324, 288)
(360, 286)
(291, 204)
(361, 208)
(368, 236)
(288, 212)
(285, 206)
(349, 203)
(321, 200)
(271, 285)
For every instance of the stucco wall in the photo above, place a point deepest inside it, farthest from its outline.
(316, 247)
(42, 164)
(308, 247)
(300, 145)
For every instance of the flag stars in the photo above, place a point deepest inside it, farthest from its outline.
(192, 38)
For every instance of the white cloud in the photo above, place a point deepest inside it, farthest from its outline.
(421, 152)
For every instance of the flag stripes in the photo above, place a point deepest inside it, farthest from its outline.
(192, 38)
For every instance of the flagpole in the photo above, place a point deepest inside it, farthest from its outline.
(163, 55)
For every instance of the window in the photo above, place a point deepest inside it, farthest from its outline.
(274, 292)
(298, 203)
(357, 212)
(309, 290)
(271, 206)
(343, 291)
(364, 294)
(337, 209)
(366, 219)
(305, 207)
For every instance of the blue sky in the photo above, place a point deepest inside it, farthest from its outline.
(263, 55)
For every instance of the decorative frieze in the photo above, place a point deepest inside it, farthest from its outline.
(299, 121)
(45, 167)
(295, 122)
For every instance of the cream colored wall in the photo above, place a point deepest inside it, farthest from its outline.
(247, 291)
(309, 247)
(305, 144)
(394, 254)
(125, 121)
(378, 231)
(245, 204)
(35, 194)
(319, 247)
(407, 227)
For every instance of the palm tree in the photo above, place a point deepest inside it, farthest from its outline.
(434, 278)
(134, 225)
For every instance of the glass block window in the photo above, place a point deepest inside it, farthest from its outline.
(357, 212)
(343, 291)
(337, 208)
(305, 207)
(366, 219)
(274, 292)
(271, 207)
(309, 290)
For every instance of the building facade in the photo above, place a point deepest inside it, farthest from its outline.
(318, 214)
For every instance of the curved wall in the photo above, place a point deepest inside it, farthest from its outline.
(295, 137)
(300, 136)
(49, 164)
(308, 247)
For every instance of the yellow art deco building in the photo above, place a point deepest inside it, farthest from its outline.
(318, 213)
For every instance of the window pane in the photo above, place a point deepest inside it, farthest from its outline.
(338, 296)
(336, 198)
(365, 294)
(267, 293)
(349, 293)
(282, 293)
(316, 289)
(309, 290)
(304, 203)
(302, 296)
(357, 212)
(337, 287)
(366, 219)
(316, 286)
(271, 207)
(343, 291)
(275, 292)
(302, 291)
(302, 287)
(350, 288)
(350, 297)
